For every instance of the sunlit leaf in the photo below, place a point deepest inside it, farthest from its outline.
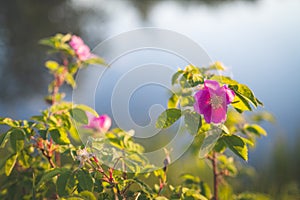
(79, 115)
(210, 140)
(70, 80)
(52, 65)
(4, 138)
(10, 163)
(192, 122)
(168, 117)
(237, 145)
(59, 137)
(176, 76)
(256, 129)
(173, 101)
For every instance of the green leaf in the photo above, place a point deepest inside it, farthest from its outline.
(240, 103)
(95, 60)
(48, 175)
(263, 116)
(256, 129)
(187, 101)
(168, 117)
(66, 38)
(87, 195)
(9, 122)
(237, 145)
(192, 122)
(205, 190)
(52, 65)
(85, 180)
(176, 76)
(4, 138)
(227, 163)
(70, 80)
(210, 140)
(24, 159)
(62, 183)
(220, 146)
(216, 66)
(173, 101)
(17, 137)
(87, 109)
(143, 186)
(10, 163)
(245, 91)
(224, 80)
(59, 136)
(79, 115)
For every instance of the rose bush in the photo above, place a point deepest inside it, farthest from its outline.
(45, 159)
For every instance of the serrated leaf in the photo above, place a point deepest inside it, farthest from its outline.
(168, 117)
(192, 122)
(173, 101)
(240, 103)
(237, 145)
(17, 137)
(245, 91)
(59, 137)
(256, 129)
(85, 180)
(10, 163)
(79, 115)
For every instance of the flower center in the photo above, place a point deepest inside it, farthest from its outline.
(216, 101)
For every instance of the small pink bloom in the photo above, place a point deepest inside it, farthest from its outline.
(101, 123)
(76, 42)
(212, 101)
(82, 51)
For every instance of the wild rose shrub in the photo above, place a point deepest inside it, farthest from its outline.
(44, 157)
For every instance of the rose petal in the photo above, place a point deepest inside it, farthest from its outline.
(219, 115)
(229, 94)
(211, 84)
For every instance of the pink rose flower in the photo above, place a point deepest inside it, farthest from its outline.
(101, 123)
(212, 101)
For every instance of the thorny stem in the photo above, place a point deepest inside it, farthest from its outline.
(216, 175)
